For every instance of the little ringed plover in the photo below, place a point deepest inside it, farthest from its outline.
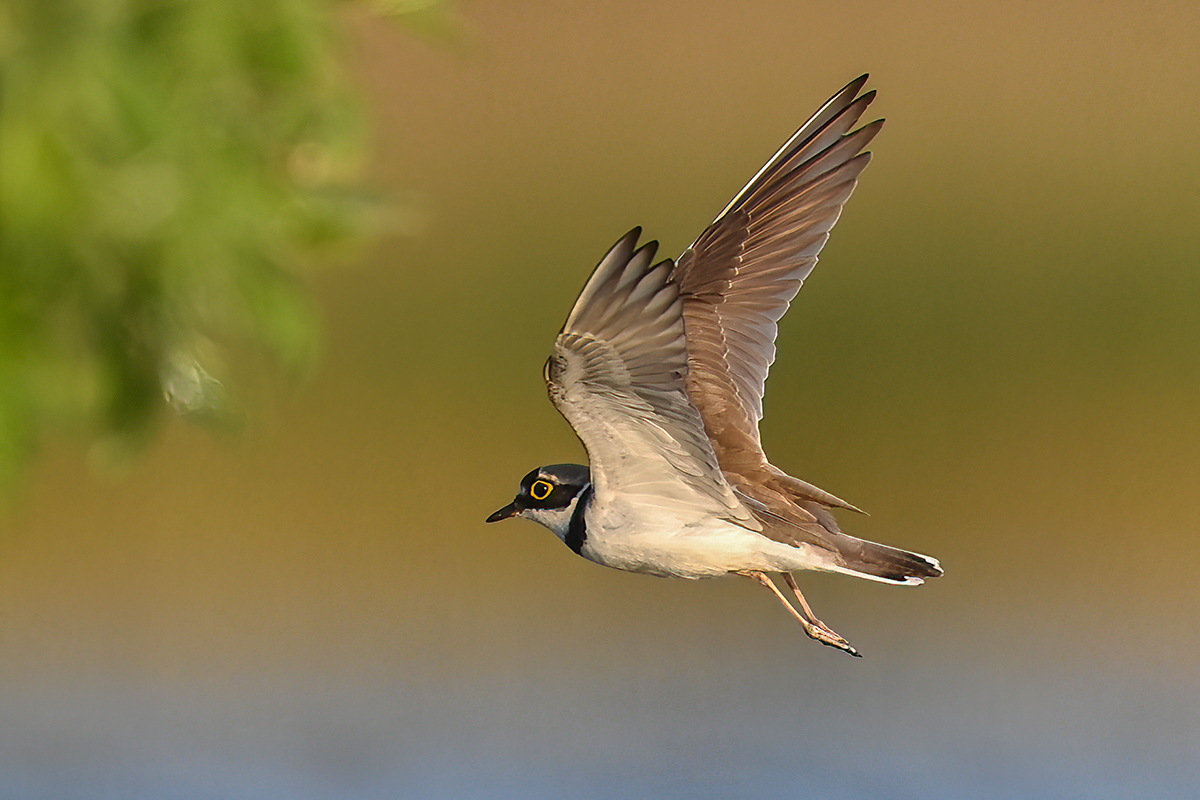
(660, 370)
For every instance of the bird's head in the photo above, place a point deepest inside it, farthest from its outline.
(548, 495)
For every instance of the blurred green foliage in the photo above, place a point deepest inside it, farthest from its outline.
(166, 166)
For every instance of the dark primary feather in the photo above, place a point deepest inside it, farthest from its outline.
(736, 282)
(740, 275)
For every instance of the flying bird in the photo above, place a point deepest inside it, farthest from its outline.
(660, 370)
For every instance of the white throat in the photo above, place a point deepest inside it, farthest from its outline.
(556, 519)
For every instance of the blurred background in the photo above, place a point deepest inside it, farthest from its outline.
(997, 357)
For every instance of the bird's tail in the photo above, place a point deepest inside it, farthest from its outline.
(848, 554)
(879, 562)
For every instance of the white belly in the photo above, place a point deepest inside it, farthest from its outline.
(665, 542)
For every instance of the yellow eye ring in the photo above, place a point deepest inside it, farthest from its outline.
(540, 490)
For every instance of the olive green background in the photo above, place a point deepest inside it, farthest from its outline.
(997, 357)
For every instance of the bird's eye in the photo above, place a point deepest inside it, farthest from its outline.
(540, 490)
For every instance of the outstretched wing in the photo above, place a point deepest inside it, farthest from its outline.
(618, 374)
(739, 277)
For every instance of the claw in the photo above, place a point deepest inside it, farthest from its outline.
(826, 635)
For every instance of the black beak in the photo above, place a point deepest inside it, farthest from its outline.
(510, 510)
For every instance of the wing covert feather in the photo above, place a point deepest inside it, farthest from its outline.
(618, 374)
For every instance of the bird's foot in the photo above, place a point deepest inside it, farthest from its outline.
(812, 626)
(825, 635)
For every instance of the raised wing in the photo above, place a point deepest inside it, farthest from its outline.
(739, 277)
(618, 374)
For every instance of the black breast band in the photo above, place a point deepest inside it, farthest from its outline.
(577, 531)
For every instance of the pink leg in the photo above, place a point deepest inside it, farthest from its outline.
(812, 626)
